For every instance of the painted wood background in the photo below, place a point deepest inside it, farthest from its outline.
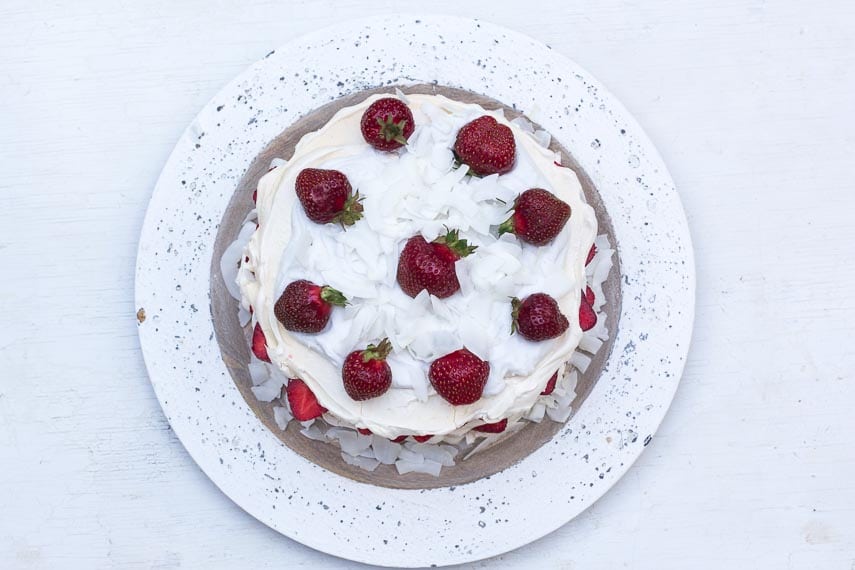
(752, 105)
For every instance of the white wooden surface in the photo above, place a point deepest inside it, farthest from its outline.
(752, 104)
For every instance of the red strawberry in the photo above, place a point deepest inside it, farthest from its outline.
(430, 266)
(591, 253)
(422, 438)
(538, 317)
(326, 196)
(459, 377)
(259, 344)
(587, 316)
(497, 427)
(365, 373)
(255, 196)
(305, 307)
(486, 146)
(550, 385)
(364, 431)
(304, 405)
(387, 124)
(588, 295)
(538, 217)
(399, 439)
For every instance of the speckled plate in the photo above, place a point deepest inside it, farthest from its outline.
(200, 195)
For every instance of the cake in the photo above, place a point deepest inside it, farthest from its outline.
(414, 278)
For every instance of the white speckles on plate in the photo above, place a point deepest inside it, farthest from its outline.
(405, 527)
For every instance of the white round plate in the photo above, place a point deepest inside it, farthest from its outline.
(414, 527)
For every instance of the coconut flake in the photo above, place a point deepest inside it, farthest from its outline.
(431, 452)
(485, 443)
(426, 466)
(523, 123)
(385, 451)
(350, 441)
(590, 343)
(269, 390)
(313, 432)
(410, 456)
(536, 413)
(244, 316)
(281, 416)
(362, 462)
(542, 138)
(580, 361)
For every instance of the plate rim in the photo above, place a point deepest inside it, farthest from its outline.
(151, 352)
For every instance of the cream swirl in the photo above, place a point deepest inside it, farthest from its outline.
(417, 190)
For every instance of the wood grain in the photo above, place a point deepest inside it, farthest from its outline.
(750, 103)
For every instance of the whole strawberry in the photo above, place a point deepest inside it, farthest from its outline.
(587, 316)
(459, 377)
(302, 401)
(430, 266)
(365, 372)
(538, 317)
(326, 196)
(497, 427)
(387, 124)
(486, 146)
(538, 217)
(306, 307)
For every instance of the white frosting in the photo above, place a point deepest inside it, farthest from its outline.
(416, 190)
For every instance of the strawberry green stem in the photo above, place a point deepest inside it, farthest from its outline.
(460, 247)
(515, 313)
(351, 212)
(333, 296)
(392, 131)
(377, 352)
(507, 227)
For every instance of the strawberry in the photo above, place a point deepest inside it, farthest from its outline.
(422, 438)
(364, 431)
(399, 439)
(486, 146)
(588, 294)
(538, 317)
(259, 344)
(430, 266)
(365, 372)
(550, 385)
(326, 197)
(538, 217)
(591, 253)
(305, 307)
(459, 377)
(387, 124)
(587, 316)
(497, 427)
(304, 405)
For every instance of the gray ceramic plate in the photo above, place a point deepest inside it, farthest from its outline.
(513, 493)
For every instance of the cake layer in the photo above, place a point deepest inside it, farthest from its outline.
(417, 191)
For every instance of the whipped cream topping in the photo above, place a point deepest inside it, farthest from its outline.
(417, 190)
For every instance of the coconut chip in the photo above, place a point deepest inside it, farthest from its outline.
(313, 432)
(362, 462)
(281, 416)
(425, 466)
